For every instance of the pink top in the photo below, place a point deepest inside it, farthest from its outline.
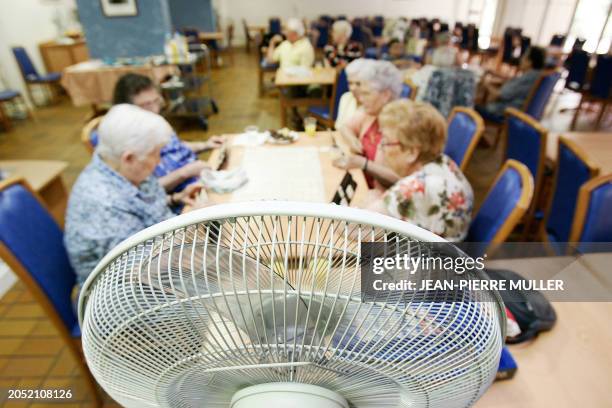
(366, 126)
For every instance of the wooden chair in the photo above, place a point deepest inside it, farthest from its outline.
(525, 141)
(465, 128)
(592, 221)
(51, 81)
(504, 206)
(31, 243)
(250, 39)
(599, 89)
(409, 89)
(86, 133)
(574, 169)
(327, 115)
(10, 96)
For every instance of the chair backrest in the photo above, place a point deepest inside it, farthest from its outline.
(323, 37)
(540, 94)
(557, 40)
(525, 141)
(504, 206)
(573, 170)
(31, 243)
(89, 135)
(357, 34)
(27, 68)
(465, 128)
(409, 90)
(274, 26)
(577, 67)
(602, 77)
(340, 88)
(592, 221)
(192, 35)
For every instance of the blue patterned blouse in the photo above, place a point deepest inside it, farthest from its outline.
(104, 209)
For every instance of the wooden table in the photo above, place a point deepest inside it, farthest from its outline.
(331, 174)
(93, 83)
(210, 36)
(567, 367)
(316, 76)
(45, 177)
(597, 145)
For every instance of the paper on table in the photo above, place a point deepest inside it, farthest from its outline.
(298, 71)
(282, 173)
(251, 139)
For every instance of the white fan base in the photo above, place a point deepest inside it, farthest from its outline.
(287, 395)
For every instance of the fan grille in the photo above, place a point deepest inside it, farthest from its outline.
(189, 317)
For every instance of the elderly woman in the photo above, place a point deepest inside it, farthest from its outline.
(117, 195)
(296, 50)
(342, 50)
(380, 83)
(432, 193)
(349, 101)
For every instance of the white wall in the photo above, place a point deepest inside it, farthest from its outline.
(27, 23)
(258, 12)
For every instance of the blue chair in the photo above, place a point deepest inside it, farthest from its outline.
(31, 75)
(503, 207)
(592, 221)
(573, 170)
(10, 96)
(540, 94)
(327, 114)
(323, 37)
(274, 26)
(525, 142)
(358, 35)
(409, 90)
(31, 243)
(465, 128)
(599, 88)
(557, 40)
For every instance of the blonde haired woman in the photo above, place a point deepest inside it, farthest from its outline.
(432, 193)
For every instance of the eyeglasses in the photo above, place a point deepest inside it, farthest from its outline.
(389, 144)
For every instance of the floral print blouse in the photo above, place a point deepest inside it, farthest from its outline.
(437, 197)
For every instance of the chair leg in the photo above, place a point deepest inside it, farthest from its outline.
(497, 137)
(261, 84)
(28, 108)
(602, 111)
(575, 118)
(4, 118)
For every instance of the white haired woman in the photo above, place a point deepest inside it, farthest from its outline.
(116, 195)
(349, 102)
(342, 50)
(380, 83)
(296, 50)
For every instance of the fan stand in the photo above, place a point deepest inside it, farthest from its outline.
(287, 395)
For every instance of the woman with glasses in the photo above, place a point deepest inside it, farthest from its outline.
(432, 192)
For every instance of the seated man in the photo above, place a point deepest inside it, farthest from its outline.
(116, 195)
(513, 92)
(179, 165)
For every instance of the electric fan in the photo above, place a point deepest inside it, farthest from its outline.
(259, 304)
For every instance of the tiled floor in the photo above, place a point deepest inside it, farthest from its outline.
(32, 355)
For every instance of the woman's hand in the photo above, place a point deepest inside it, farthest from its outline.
(189, 196)
(214, 142)
(193, 169)
(351, 161)
(277, 39)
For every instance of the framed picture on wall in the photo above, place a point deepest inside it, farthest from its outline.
(119, 8)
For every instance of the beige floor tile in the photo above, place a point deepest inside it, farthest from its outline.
(14, 328)
(27, 367)
(8, 346)
(40, 347)
(24, 310)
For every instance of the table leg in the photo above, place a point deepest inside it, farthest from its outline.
(283, 108)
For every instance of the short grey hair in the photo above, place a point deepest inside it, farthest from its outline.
(128, 128)
(355, 67)
(382, 75)
(296, 25)
(343, 27)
